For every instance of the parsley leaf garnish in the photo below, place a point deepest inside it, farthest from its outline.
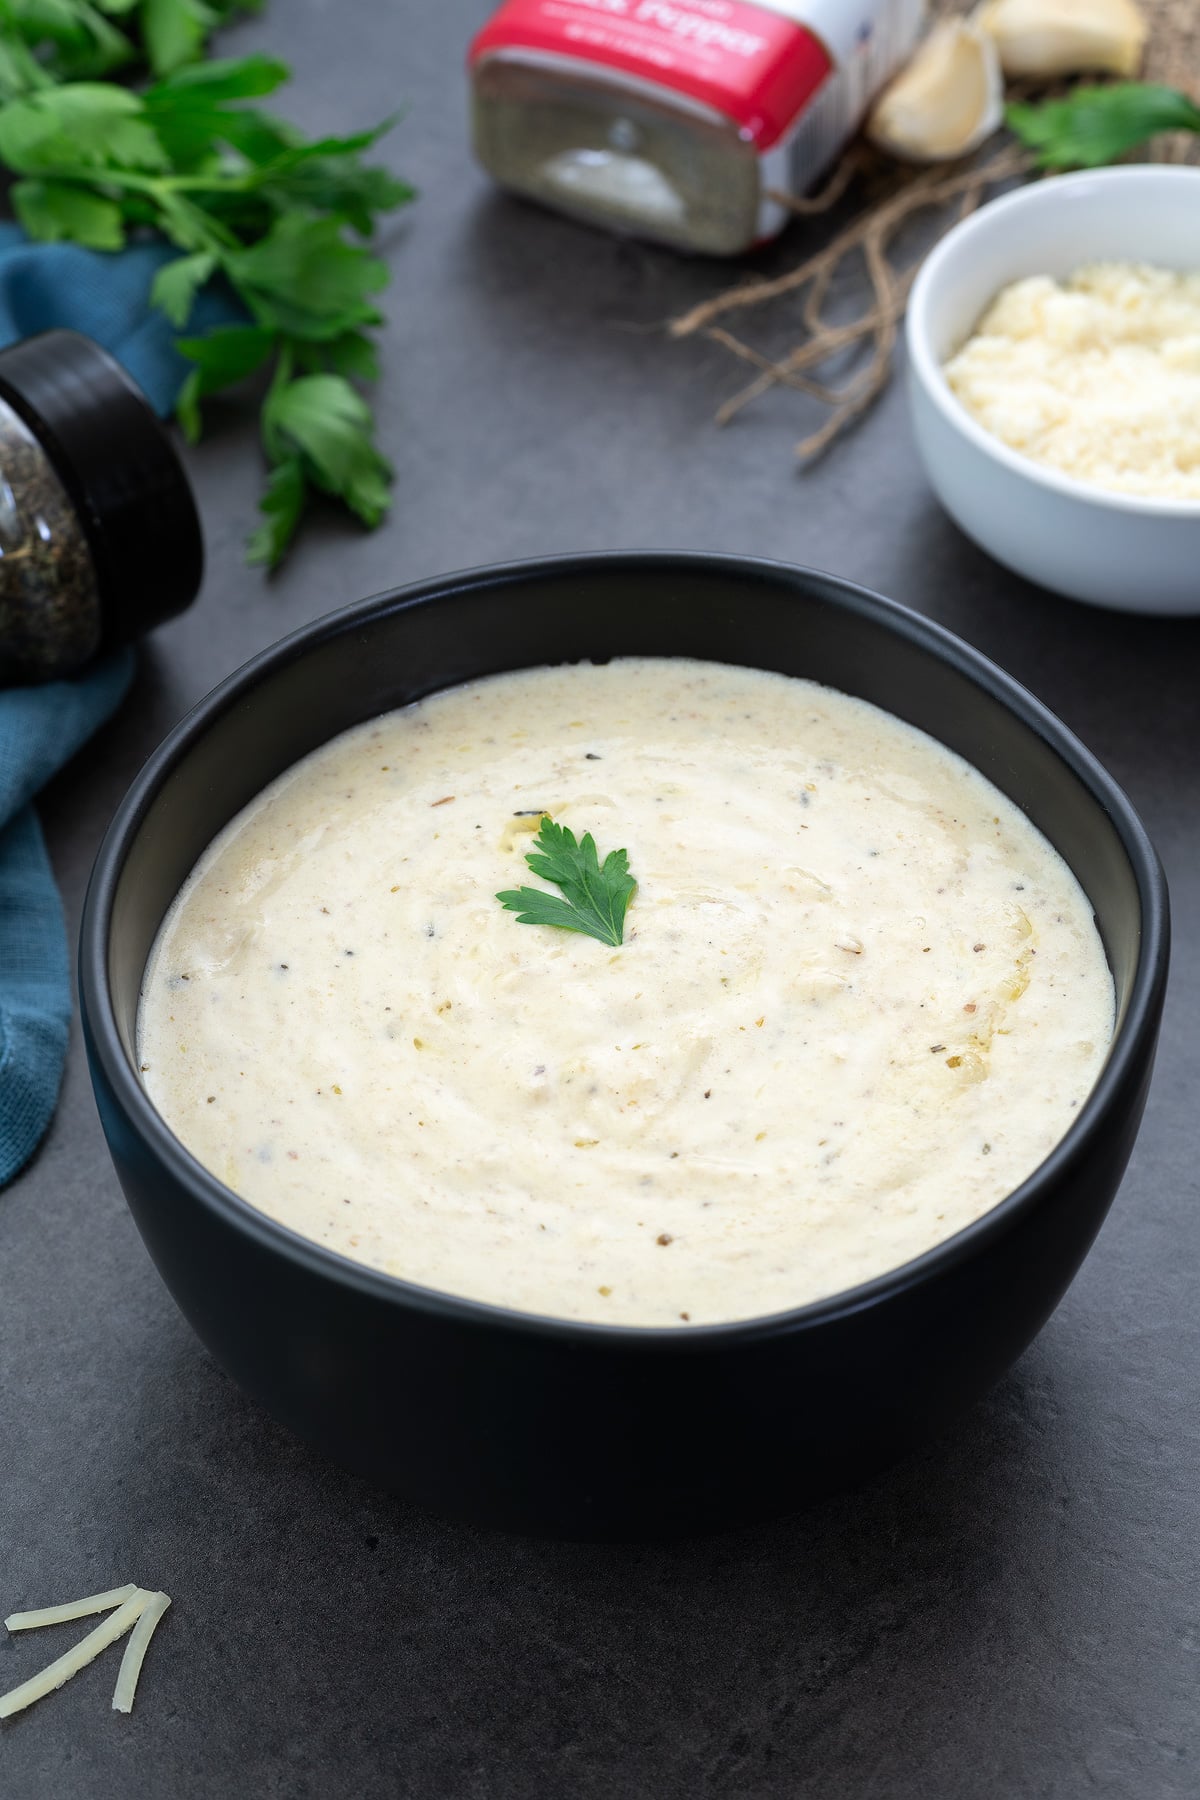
(1095, 125)
(595, 895)
(279, 220)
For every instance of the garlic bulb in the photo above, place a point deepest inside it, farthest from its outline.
(945, 102)
(1044, 38)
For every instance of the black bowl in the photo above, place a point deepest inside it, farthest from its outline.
(596, 1430)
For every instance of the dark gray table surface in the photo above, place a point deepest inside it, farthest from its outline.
(1012, 1612)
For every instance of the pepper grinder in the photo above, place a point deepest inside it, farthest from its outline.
(99, 535)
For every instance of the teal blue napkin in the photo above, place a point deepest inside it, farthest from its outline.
(41, 728)
(105, 296)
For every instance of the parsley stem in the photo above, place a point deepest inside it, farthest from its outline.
(285, 363)
(196, 228)
(158, 185)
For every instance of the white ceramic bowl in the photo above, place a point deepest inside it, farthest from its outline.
(1116, 550)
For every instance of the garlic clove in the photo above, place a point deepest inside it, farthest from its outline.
(1045, 38)
(945, 101)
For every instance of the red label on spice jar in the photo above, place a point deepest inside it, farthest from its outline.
(752, 63)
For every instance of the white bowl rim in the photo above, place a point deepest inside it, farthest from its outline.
(930, 373)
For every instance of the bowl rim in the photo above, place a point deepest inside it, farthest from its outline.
(1132, 1041)
(926, 369)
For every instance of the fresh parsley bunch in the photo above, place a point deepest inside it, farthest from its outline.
(245, 197)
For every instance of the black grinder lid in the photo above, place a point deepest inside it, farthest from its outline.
(121, 472)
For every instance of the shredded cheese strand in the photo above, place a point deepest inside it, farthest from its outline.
(84, 1652)
(74, 1609)
(135, 1650)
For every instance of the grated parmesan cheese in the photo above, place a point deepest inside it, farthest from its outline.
(135, 1651)
(128, 1606)
(1097, 376)
(74, 1609)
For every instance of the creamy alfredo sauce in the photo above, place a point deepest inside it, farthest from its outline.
(858, 1001)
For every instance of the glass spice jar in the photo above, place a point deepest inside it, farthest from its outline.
(688, 122)
(99, 536)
